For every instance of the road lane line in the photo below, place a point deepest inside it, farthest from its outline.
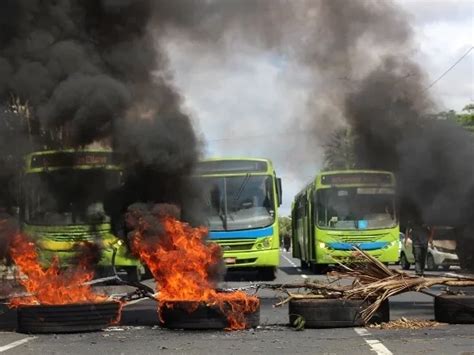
(375, 345)
(15, 344)
(290, 261)
(296, 266)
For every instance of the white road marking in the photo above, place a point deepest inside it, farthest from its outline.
(375, 345)
(294, 265)
(15, 344)
(290, 261)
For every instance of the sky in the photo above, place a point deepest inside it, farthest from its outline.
(244, 104)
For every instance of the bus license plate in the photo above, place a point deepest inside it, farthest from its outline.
(230, 260)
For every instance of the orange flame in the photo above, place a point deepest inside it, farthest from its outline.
(50, 286)
(180, 261)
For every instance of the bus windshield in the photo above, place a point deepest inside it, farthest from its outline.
(238, 202)
(356, 208)
(68, 197)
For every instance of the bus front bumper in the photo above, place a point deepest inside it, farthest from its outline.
(250, 259)
(67, 257)
(333, 253)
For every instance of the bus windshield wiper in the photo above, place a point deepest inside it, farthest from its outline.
(242, 187)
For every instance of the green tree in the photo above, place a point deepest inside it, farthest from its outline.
(284, 224)
(466, 117)
(339, 152)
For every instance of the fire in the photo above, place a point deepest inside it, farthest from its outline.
(181, 262)
(50, 286)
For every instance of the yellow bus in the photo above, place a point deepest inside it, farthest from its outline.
(242, 196)
(62, 205)
(341, 210)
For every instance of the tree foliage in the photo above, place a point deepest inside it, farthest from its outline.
(339, 151)
(284, 224)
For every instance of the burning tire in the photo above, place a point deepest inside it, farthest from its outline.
(334, 313)
(185, 315)
(68, 318)
(455, 309)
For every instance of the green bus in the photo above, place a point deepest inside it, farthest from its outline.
(63, 193)
(242, 196)
(341, 210)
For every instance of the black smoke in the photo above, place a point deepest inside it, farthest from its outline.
(96, 69)
(92, 71)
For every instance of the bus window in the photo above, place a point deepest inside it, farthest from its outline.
(239, 202)
(355, 208)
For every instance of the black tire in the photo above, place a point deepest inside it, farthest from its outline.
(319, 269)
(183, 315)
(430, 263)
(404, 262)
(455, 309)
(334, 313)
(445, 267)
(304, 264)
(266, 273)
(133, 274)
(69, 318)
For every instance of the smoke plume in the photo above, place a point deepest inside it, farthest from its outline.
(92, 71)
(358, 57)
(97, 69)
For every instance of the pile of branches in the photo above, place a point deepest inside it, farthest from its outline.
(371, 280)
(375, 281)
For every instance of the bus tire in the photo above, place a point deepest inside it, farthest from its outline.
(404, 262)
(133, 274)
(319, 269)
(334, 313)
(267, 273)
(454, 309)
(304, 264)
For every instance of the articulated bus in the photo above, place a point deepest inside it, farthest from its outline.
(62, 205)
(242, 197)
(341, 210)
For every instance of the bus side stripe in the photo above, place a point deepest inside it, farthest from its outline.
(242, 234)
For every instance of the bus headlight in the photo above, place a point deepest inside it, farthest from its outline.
(264, 243)
(267, 243)
(322, 245)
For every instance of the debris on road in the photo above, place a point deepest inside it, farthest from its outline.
(404, 323)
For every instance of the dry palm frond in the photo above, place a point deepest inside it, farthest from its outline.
(373, 280)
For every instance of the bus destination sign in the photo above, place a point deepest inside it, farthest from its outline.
(356, 178)
(231, 166)
(74, 159)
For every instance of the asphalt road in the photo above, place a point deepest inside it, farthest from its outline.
(139, 334)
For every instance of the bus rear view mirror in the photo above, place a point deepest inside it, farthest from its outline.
(279, 191)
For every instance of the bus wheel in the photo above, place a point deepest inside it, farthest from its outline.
(266, 273)
(304, 264)
(133, 274)
(319, 269)
(454, 309)
(334, 313)
(430, 263)
(404, 262)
